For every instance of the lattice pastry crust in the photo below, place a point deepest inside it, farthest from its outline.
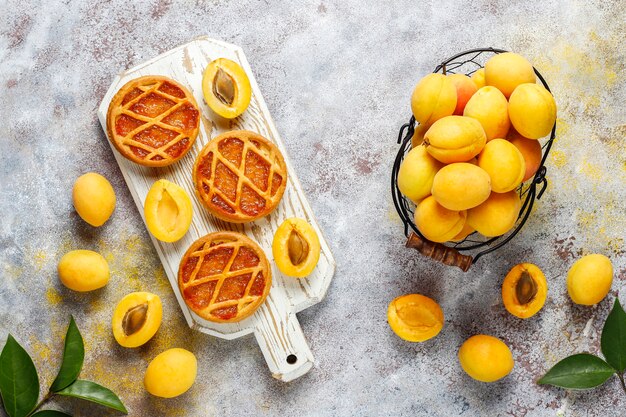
(153, 121)
(240, 176)
(224, 277)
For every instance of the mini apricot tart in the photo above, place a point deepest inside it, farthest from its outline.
(153, 121)
(226, 88)
(240, 176)
(224, 277)
(524, 290)
(296, 248)
(167, 211)
(137, 318)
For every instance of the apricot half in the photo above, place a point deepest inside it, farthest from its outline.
(171, 373)
(167, 211)
(83, 270)
(589, 279)
(296, 248)
(93, 198)
(415, 317)
(524, 290)
(226, 88)
(486, 358)
(136, 319)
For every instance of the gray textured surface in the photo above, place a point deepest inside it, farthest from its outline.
(337, 78)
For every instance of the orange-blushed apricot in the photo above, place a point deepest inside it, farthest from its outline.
(486, 358)
(296, 248)
(455, 139)
(437, 223)
(589, 279)
(167, 211)
(524, 290)
(136, 319)
(497, 215)
(465, 88)
(531, 151)
(226, 88)
(415, 317)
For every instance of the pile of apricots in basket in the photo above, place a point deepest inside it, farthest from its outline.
(477, 142)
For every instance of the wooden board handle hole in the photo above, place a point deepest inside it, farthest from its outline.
(291, 359)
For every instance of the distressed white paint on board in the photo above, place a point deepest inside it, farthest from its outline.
(274, 324)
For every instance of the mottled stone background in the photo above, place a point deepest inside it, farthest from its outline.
(337, 77)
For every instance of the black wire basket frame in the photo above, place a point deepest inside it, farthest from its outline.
(466, 63)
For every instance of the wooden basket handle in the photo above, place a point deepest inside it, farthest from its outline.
(439, 252)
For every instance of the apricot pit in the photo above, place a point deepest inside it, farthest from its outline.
(296, 248)
(136, 319)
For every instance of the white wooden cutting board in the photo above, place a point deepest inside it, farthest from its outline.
(274, 324)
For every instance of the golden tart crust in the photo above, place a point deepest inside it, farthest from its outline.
(224, 277)
(240, 176)
(153, 121)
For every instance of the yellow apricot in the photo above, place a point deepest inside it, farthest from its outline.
(504, 163)
(489, 106)
(94, 198)
(226, 88)
(531, 151)
(479, 78)
(465, 232)
(296, 248)
(437, 223)
(136, 318)
(455, 139)
(434, 97)
(167, 211)
(486, 358)
(507, 70)
(461, 186)
(171, 373)
(589, 279)
(524, 290)
(415, 177)
(465, 89)
(497, 215)
(532, 110)
(418, 135)
(415, 317)
(83, 270)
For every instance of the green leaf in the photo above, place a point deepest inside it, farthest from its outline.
(613, 340)
(93, 392)
(50, 413)
(578, 372)
(19, 383)
(73, 357)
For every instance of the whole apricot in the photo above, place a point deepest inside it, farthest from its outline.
(415, 317)
(478, 77)
(524, 290)
(136, 319)
(486, 358)
(465, 232)
(94, 198)
(418, 135)
(497, 215)
(415, 177)
(489, 106)
(507, 70)
(531, 151)
(226, 88)
(83, 270)
(589, 279)
(296, 248)
(465, 88)
(437, 223)
(455, 139)
(167, 211)
(504, 163)
(461, 186)
(532, 110)
(171, 373)
(434, 97)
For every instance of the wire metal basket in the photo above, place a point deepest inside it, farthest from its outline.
(465, 252)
